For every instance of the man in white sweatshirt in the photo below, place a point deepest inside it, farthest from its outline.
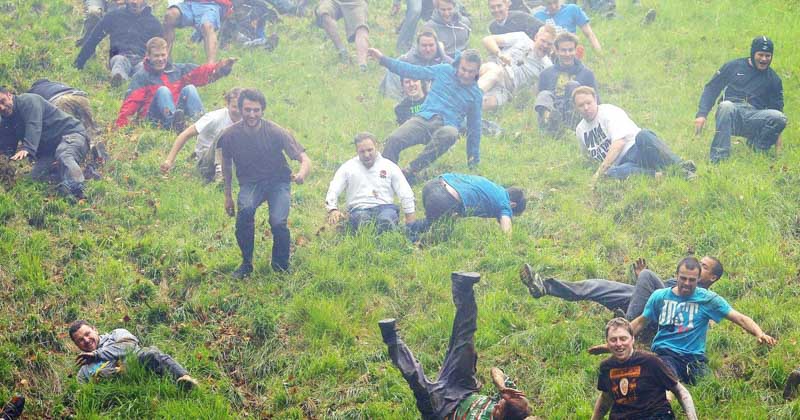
(371, 182)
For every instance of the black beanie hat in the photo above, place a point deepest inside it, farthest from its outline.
(760, 43)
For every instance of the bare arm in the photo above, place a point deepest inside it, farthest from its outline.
(587, 30)
(505, 224)
(750, 326)
(611, 156)
(685, 398)
(492, 45)
(498, 378)
(602, 405)
(180, 141)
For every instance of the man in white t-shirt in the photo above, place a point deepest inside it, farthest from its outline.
(519, 61)
(207, 129)
(608, 135)
(371, 183)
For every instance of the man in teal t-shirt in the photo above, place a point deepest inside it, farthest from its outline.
(454, 394)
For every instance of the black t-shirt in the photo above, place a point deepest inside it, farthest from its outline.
(638, 385)
(258, 156)
(517, 22)
(407, 109)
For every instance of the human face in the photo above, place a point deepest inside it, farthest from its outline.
(620, 341)
(586, 105)
(158, 58)
(543, 43)
(706, 273)
(566, 53)
(86, 338)
(6, 104)
(763, 60)
(413, 88)
(467, 71)
(252, 113)
(135, 6)
(499, 9)
(552, 7)
(426, 46)
(445, 9)
(367, 152)
(686, 281)
(233, 109)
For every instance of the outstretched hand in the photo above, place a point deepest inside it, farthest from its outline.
(638, 266)
(766, 339)
(224, 68)
(85, 358)
(511, 393)
(375, 54)
(230, 208)
(22, 154)
(598, 349)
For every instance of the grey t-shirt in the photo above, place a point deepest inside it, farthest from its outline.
(525, 65)
(259, 156)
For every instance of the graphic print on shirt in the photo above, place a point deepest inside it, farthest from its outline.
(596, 142)
(680, 315)
(624, 382)
(561, 83)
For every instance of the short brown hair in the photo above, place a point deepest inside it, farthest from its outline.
(566, 37)
(583, 90)
(75, 326)
(155, 43)
(232, 94)
(364, 135)
(619, 322)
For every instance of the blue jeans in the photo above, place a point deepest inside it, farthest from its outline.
(648, 155)
(69, 154)
(278, 197)
(687, 367)
(760, 127)
(163, 107)
(385, 217)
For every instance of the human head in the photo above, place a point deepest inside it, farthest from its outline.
(761, 50)
(551, 6)
(84, 335)
(543, 40)
(414, 89)
(135, 6)
(467, 66)
(251, 105)
(711, 271)
(584, 98)
(446, 9)
(6, 102)
(687, 274)
(511, 408)
(232, 103)
(427, 44)
(566, 45)
(619, 338)
(517, 198)
(366, 147)
(499, 9)
(157, 53)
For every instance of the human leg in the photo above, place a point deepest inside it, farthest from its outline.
(172, 19)
(327, 12)
(190, 102)
(654, 153)
(162, 107)
(408, 29)
(438, 202)
(359, 217)
(762, 127)
(279, 198)
(209, 22)
(728, 122)
(626, 169)
(611, 294)
(387, 217)
(441, 141)
(94, 12)
(646, 283)
(415, 131)
(490, 74)
(43, 168)
(69, 154)
(160, 363)
(362, 45)
(251, 195)
(120, 69)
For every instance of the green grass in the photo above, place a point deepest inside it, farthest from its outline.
(152, 254)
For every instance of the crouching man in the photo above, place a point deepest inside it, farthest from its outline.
(102, 355)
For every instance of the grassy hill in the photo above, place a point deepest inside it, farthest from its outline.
(153, 254)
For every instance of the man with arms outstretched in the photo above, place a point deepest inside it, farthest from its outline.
(454, 393)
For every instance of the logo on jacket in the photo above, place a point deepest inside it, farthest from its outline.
(383, 173)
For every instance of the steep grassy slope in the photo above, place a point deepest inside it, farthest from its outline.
(152, 253)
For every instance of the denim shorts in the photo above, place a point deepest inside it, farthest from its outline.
(196, 14)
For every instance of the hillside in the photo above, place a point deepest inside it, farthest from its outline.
(153, 253)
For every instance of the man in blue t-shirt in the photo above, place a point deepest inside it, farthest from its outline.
(682, 314)
(568, 18)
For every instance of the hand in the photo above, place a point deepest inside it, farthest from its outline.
(504, 58)
(395, 9)
(298, 178)
(166, 166)
(230, 208)
(375, 54)
(699, 123)
(85, 358)
(22, 154)
(638, 266)
(765, 339)
(224, 69)
(511, 393)
(598, 349)
(334, 217)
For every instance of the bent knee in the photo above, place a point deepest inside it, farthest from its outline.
(726, 106)
(207, 28)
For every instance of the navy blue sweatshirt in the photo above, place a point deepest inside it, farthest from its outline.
(577, 72)
(743, 83)
(129, 33)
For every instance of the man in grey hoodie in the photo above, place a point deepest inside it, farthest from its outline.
(102, 355)
(452, 27)
(427, 52)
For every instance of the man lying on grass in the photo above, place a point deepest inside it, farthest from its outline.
(454, 394)
(682, 314)
(103, 355)
(633, 383)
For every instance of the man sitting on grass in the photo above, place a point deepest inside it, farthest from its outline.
(454, 394)
(102, 355)
(633, 383)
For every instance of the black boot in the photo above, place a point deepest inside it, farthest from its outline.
(13, 410)
(388, 330)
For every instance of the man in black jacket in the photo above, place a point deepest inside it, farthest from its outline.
(751, 106)
(129, 28)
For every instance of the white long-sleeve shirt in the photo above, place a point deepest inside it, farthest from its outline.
(370, 187)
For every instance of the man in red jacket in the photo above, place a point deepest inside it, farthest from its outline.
(204, 15)
(164, 92)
